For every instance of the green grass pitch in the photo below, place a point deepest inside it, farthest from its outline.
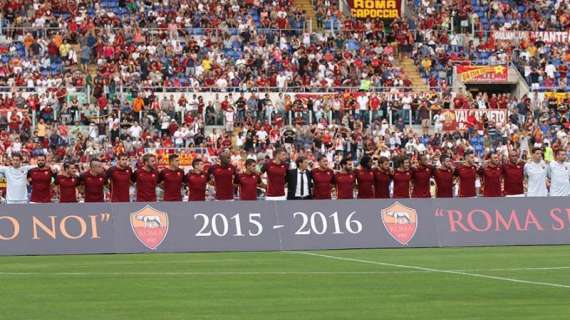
(451, 283)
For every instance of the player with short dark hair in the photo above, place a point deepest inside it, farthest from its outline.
(467, 174)
(492, 177)
(248, 181)
(40, 178)
(197, 181)
(365, 179)
(119, 178)
(402, 177)
(444, 177)
(345, 180)
(146, 179)
(67, 181)
(323, 179)
(382, 178)
(172, 179)
(421, 177)
(276, 171)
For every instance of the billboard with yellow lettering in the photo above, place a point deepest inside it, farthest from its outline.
(377, 9)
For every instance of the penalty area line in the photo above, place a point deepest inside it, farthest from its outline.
(418, 268)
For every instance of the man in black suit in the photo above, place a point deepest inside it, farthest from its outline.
(300, 181)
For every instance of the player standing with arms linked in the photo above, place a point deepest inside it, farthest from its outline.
(67, 182)
(40, 179)
(421, 176)
(365, 178)
(172, 179)
(146, 179)
(223, 175)
(323, 179)
(444, 177)
(119, 178)
(536, 171)
(559, 175)
(276, 171)
(93, 182)
(17, 180)
(345, 180)
(382, 178)
(513, 175)
(197, 181)
(248, 181)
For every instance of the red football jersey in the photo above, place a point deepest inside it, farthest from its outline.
(223, 181)
(444, 183)
(421, 177)
(514, 178)
(365, 179)
(172, 182)
(67, 188)
(247, 184)
(40, 180)
(323, 181)
(492, 181)
(381, 184)
(146, 184)
(276, 178)
(467, 176)
(94, 186)
(197, 186)
(120, 183)
(402, 184)
(345, 185)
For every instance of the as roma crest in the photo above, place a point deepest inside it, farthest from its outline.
(150, 226)
(400, 221)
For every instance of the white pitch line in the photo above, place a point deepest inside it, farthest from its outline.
(461, 273)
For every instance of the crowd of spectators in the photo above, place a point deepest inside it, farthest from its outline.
(255, 45)
(440, 40)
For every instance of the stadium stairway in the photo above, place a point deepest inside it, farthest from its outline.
(411, 71)
(307, 6)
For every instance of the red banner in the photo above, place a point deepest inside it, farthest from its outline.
(380, 9)
(483, 73)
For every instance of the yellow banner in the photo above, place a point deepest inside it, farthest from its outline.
(559, 96)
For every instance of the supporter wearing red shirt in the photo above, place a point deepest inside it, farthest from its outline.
(119, 178)
(491, 176)
(67, 182)
(223, 175)
(382, 178)
(197, 181)
(513, 175)
(467, 174)
(402, 178)
(345, 180)
(323, 179)
(421, 175)
(276, 176)
(40, 179)
(173, 179)
(444, 178)
(365, 179)
(248, 181)
(147, 179)
(93, 182)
